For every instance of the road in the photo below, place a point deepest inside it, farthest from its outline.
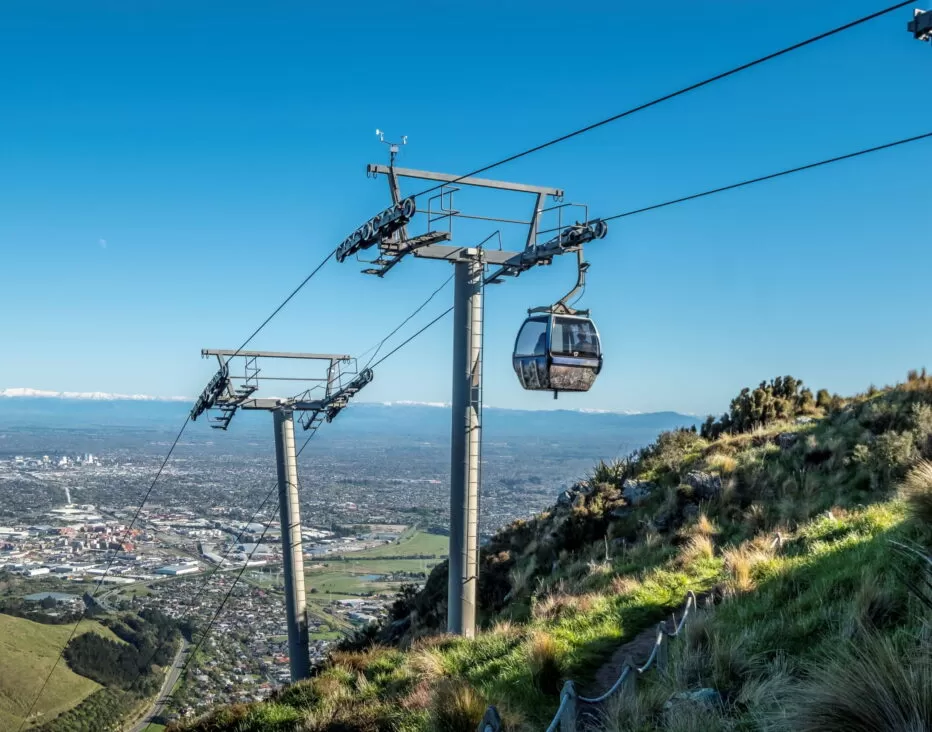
(170, 679)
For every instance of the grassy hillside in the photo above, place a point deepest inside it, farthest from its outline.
(784, 511)
(27, 652)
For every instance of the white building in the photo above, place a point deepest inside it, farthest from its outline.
(174, 570)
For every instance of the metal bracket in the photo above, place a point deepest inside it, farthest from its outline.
(921, 25)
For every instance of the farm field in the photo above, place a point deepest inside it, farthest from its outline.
(409, 544)
(27, 652)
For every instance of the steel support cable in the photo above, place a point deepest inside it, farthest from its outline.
(106, 573)
(675, 94)
(404, 322)
(412, 337)
(284, 302)
(771, 176)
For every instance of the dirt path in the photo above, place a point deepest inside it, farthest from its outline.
(637, 649)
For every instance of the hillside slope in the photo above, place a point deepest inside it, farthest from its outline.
(27, 652)
(784, 511)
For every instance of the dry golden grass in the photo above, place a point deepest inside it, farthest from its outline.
(916, 490)
(563, 604)
(705, 526)
(428, 664)
(355, 660)
(721, 463)
(697, 548)
(543, 659)
(456, 707)
(624, 585)
(740, 563)
(505, 628)
(435, 640)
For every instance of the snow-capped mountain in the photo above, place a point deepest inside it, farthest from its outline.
(93, 395)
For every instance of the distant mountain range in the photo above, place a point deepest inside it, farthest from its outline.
(372, 422)
(25, 392)
(103, 396)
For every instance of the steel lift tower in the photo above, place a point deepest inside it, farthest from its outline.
(388, 231)
(225, 394)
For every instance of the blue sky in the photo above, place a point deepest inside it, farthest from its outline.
(170, 171)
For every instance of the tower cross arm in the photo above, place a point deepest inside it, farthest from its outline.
(374, 169)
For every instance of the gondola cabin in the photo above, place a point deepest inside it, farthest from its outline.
(557, 352)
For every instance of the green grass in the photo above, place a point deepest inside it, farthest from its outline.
(412, 542)
(383, 566)
(561, 592)
(27, 652)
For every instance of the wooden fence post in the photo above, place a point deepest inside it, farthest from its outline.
(629, 686)
(491, 722)
(568, 721)
(663, 651)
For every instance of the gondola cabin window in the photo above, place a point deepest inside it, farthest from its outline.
(532, 340)
(574, 337)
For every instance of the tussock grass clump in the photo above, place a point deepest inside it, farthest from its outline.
(543, 658)
(705, 526)
(721, 463)
(623, 584)
(520, 575)
(740, 563)
(870, 686)
(916, 489)
(876, 606)
(699, 547)
(428, 664)
(624, 713)
(456, 707)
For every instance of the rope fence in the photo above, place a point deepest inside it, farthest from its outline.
(566, 717)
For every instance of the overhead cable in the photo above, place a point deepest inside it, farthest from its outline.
(675, 94)
(404, 322)
(284, 302)
(771, 176)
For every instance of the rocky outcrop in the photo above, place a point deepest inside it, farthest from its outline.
(636, 492)
(704, 485)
